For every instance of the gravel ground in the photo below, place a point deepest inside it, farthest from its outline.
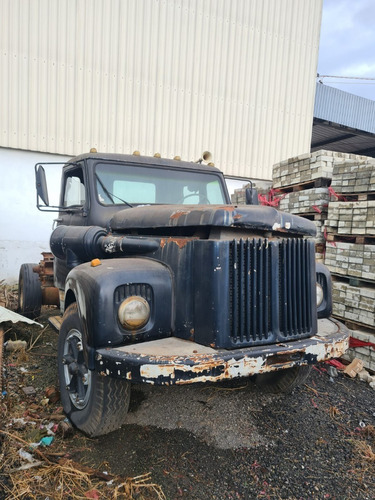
(227, 440)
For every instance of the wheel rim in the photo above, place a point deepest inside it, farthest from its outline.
(76, 374)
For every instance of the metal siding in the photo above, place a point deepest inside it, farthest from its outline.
(343, 108)
(235, 77)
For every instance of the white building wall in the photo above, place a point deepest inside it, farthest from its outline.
(235, 77)
(24, 230)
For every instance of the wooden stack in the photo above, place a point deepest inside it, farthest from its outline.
(350, 252)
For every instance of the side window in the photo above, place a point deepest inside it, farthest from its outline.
(74, 193)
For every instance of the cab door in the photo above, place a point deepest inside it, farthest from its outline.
(74, 197)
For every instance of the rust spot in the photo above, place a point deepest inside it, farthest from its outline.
(179, 213)
(238, 216)
(180, 242)
(228, 208)
(284, 358)
(50, 296)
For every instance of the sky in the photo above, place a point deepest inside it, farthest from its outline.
(347, 45)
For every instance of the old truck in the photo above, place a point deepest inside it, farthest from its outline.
(160, 279)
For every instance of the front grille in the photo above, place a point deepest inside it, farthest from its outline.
(250, 287)
(270, 290)
(141, 289)
(295, 288)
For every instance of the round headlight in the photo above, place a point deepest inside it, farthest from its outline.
(134, 312)
(319, 295)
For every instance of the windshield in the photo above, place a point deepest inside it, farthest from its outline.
(133, 185)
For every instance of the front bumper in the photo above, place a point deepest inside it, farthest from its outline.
(176, 361)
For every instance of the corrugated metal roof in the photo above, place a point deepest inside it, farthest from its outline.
(340, 107)
(334, 137)
(179, 77)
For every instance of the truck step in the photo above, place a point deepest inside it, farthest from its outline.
(55, 321)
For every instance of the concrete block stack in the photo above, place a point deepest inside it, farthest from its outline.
(350, 252)
(351, 218)
(312, 204)
(355, 176)
(305, 168)
(304, 186)
(354, 260)
(303, 183)
(354, 303)
(337, 192)
(239, 195)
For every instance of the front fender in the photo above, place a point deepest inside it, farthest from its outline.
(99, 291)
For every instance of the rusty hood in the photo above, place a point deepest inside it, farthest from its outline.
(242, 216)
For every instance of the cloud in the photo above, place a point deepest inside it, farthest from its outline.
(347, 42)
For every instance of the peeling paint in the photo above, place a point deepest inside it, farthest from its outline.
(156, 371)
(109, 247)
(221, 365)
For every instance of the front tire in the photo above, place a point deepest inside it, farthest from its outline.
(94, 403)
(284, 381)
(29, 292)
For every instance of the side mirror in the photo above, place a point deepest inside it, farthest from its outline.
(251, 196)
(41, 186)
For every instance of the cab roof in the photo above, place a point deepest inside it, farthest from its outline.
(146, 160)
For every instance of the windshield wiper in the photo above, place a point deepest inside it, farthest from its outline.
(110, 195)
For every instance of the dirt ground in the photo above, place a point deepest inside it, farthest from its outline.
(216, 441)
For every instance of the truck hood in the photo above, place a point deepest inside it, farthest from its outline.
(253, 217)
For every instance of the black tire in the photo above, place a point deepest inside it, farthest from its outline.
(283, 381)
(29, 292)
(95, 404)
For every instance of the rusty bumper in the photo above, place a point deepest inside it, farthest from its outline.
(176, 361)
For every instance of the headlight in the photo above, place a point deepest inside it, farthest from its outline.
(319, 295)
(134, 312)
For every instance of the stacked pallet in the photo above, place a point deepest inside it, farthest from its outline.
(351, 218)
(303, 185)
(312, 204)
(353, 260)
(354, 303)
(305, 168)
(350, 252)
(355, 176)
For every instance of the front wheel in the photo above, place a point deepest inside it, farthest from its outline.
(94, 403)
(284, 381)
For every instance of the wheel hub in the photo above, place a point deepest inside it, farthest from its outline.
(76, 373)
